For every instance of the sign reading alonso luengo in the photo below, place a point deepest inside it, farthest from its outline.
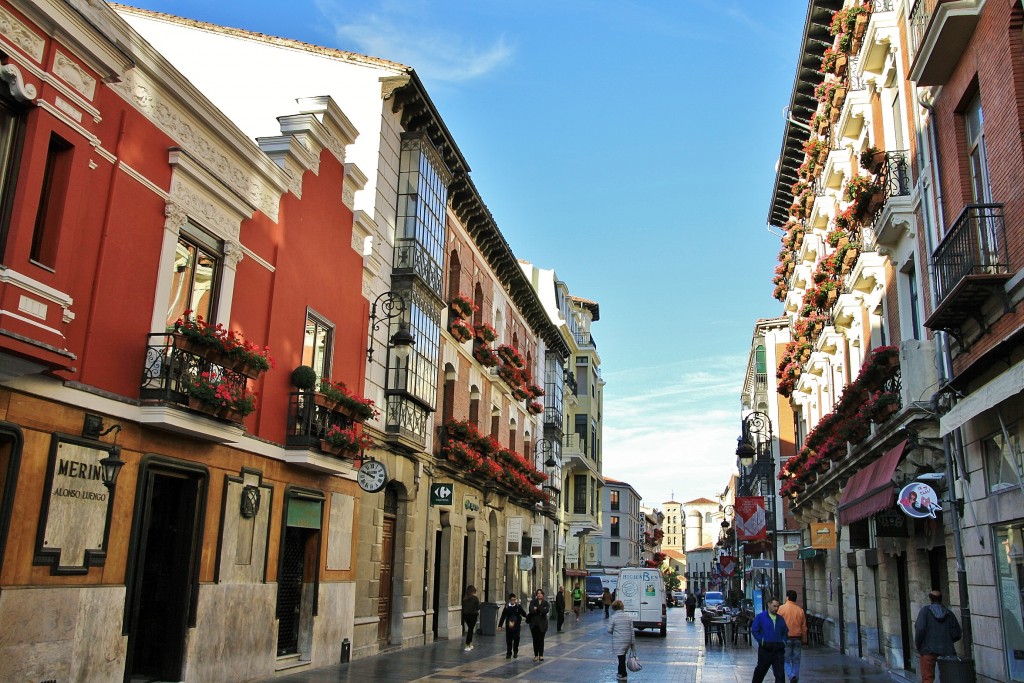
(76, 514)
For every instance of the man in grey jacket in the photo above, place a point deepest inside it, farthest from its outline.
(934, 634)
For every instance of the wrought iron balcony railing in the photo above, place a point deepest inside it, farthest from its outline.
(895, 175)
(553, 417)
(412, 258)
(172, 367)
(976, 245)
(309, 421)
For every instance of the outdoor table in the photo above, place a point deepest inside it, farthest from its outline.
(726, 624)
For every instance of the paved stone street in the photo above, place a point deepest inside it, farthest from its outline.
(580, 653)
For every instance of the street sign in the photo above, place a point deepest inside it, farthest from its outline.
(768, 564)
(441, 494)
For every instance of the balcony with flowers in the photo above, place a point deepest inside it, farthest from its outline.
(197, 379)
(325, 420)
(502, 473)
(873, 414)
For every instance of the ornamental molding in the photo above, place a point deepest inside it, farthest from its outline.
(146, 97)
(21, 35)
(20, 90)
(175, 217)
(203, 210)
(74, 75)
(233, 253)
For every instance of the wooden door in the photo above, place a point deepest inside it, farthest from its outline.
(387, 559)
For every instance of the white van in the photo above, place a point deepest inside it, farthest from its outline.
(642, 592)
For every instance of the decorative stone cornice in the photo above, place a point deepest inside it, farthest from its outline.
(355, 180)
(204, 198)
(259, 190)
(21, 91)
(71, 73)
(30, 42)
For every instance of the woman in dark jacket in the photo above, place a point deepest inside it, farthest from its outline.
(537, 618)
(470, 611)
(513, 615)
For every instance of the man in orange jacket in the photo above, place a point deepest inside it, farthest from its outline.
(796, 623)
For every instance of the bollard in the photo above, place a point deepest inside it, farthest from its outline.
(346, 651)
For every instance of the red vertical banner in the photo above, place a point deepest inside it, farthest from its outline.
(751, 520)
(727, 565)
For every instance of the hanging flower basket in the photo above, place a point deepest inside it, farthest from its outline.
(484, 355)
(534, 408)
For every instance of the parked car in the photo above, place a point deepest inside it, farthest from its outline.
(678, 598)
(713, 600)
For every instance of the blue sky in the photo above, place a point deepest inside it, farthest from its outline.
(631, 146)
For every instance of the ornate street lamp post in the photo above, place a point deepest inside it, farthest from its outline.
(754, 446)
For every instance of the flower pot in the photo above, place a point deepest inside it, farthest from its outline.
(883, 413)
(230, 414)
(324, 401)
(202, 406)
(242, 367)
(328, 447)
(838, 97)
(840, 67)
(860, 25)
(189, 346)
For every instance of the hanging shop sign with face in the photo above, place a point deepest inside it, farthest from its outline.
(919, 500)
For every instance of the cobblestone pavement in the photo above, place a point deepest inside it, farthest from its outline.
(581, 654)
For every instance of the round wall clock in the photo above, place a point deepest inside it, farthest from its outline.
(373, 476)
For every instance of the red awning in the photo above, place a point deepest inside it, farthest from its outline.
(871, 490)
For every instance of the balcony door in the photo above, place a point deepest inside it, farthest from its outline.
(981, 188)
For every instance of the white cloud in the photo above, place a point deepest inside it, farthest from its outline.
(404, 34)
(671, 430)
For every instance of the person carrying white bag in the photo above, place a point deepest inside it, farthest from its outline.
(620, 626)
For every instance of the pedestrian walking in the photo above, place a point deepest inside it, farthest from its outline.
(621, 628)
(691, 606)
(577, 600)
(560, 607)
(935, 632)
(770, 632)
(537, 618)
(796, 624)
(470, 612)
(606, 599)
(512, 616)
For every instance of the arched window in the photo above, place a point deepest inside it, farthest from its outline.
(454, 275)
(478, 301)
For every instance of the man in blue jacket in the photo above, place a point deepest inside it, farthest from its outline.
(770, 632)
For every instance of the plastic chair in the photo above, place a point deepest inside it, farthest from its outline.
(741, 628)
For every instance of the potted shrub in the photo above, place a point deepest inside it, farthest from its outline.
(304, 378)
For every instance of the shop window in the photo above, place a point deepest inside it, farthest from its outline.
(1001, 459)
(1009, 556)
(52, 200)
(197, 265)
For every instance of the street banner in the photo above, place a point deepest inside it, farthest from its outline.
(823, 535)
(513, 535)
(536, 540)
(727, 563)
(751, 520)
